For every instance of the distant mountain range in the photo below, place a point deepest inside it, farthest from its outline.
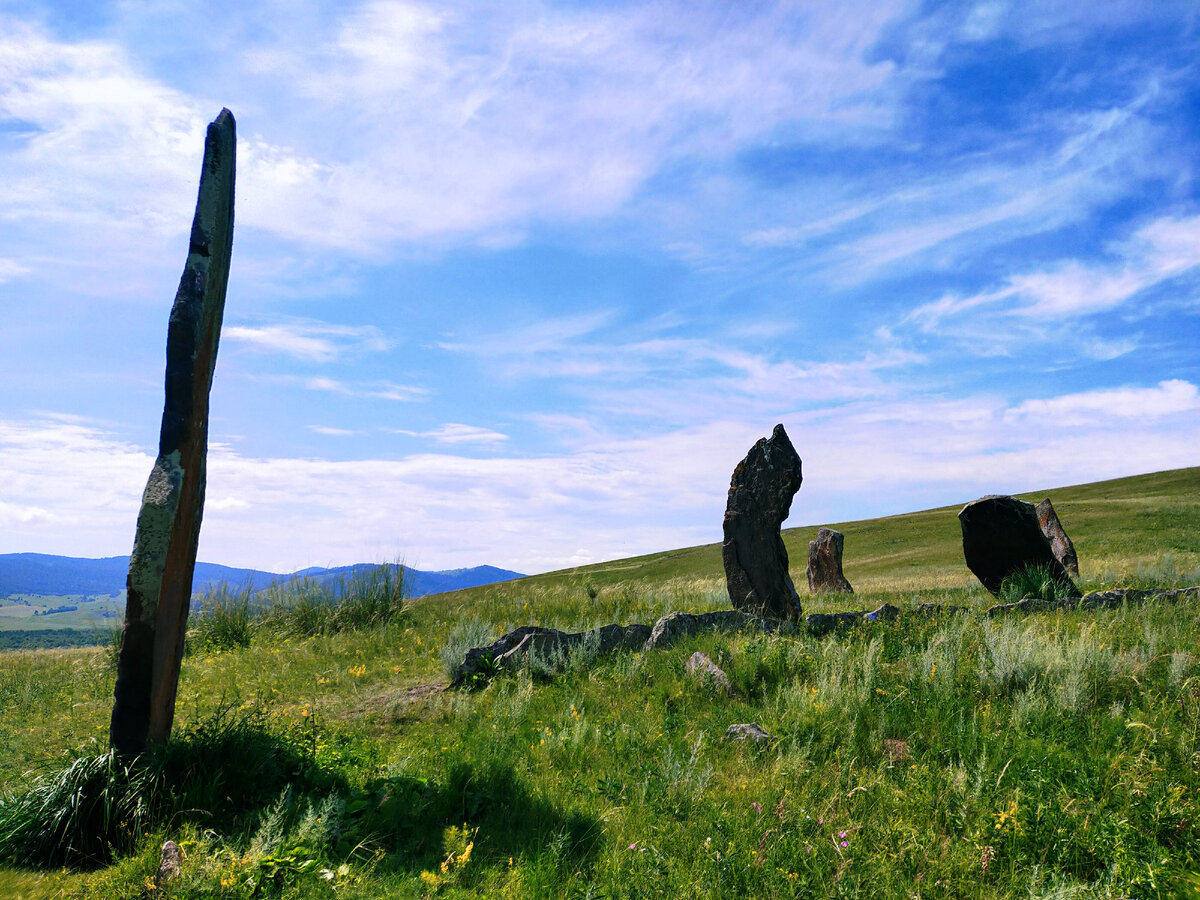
(46, 575)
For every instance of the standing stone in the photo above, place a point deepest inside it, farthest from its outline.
(1060, 544)
(1001, 536)
(164, 552)
(760, 497)
(824, 568)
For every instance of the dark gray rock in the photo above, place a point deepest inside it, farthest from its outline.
(513, 649)
(747, 731)
(822, 623)
(1060, 544)
(705, 670)
(1001, 536)
(676, 626)
(755, 559)
(824, 568)
(164, 551)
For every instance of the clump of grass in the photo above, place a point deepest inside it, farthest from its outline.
(368, 598)
(1032, 583)
(466, 635)
(82, 814)
(224, 621)
(97, 805)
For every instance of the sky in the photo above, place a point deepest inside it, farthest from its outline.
(520, 283)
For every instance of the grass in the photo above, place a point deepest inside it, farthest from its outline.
(952, 756)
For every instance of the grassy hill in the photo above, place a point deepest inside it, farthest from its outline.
(951, 756)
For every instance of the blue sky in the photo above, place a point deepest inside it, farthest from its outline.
(520, 283)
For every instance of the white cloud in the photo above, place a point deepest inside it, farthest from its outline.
(454, 433)
(11, 269)
(1159, 250)
(315, 341)
(603, 499)
(330, 431)
(1168, 398)
(381, 390)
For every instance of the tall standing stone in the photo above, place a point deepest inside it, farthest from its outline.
(824, 569)
(164, 552)
(1060, 544)
(760, 497)
(1001, 536)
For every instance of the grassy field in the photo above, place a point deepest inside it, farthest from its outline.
(952, 756)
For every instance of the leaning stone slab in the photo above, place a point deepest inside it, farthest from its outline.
(755, 559)
(1060, 544)
(824, 569)
(705, 670)
(164, 552)
(1001, 536)
(747, 731)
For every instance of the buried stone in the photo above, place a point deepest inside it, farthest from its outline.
(1002, 537)
(824, 568)
(753, 553)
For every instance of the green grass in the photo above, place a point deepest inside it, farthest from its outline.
(1053, 755)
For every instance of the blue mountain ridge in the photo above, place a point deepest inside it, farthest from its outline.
(48, 575)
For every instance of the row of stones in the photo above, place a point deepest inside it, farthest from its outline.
(514, 649)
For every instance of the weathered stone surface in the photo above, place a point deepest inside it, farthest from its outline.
(1001, 536)
(823, 623)
(760, 497)
(1060, 544)
(513, 649)
(705, 670)
(164, 552)
(170, 864)
(676, 626)
(747, 731)
(1097, 600)
(824, 568)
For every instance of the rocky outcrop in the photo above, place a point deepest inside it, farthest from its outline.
(704, 670)
(159, 583)
(1001, 536)
(824, 568)
(1060, 544)
(755, 559)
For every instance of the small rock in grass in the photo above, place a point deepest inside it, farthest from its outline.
(704, 669)
(170, 864)
(748, 731)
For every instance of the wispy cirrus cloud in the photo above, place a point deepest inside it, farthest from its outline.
(379, 390)
(309, 340)
(456, 433)
(1155, 252)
